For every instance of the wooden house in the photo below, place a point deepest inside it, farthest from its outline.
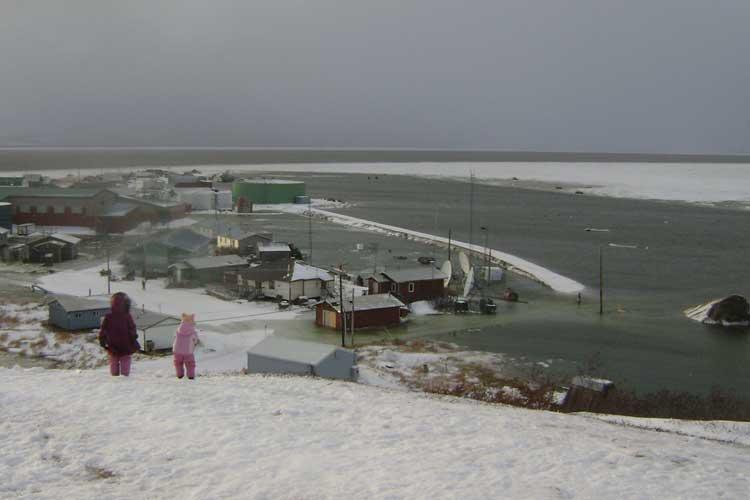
(369, 311)
(273, 251)
(301, 280)
(76, 313)
(203, 270)
(155, 331)
(409, 285)
(56, 248)
(235, 240)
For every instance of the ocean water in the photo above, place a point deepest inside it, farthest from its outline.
(685, 254)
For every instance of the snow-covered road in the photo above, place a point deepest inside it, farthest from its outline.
(85, 435)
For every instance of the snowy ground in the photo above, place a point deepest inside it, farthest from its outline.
(533, 271)
(702, 183)
(700, 313)
(71, 434)
(22, 333)
(158, 298)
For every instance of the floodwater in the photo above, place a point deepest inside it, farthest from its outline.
(685, 255)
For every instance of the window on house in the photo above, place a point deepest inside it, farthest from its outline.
(78, 315)
(68, 211)
(394, 287)
(411, 287)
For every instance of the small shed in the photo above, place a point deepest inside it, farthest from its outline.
(285, 356)
(76, 313)
(155, 331)
(370, 311)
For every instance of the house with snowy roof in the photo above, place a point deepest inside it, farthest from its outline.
(298, 280)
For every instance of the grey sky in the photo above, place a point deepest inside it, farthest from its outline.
(585, 75)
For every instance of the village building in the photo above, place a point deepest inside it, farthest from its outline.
(204, 270)
(370, 311)
(14, 250)
(273, 251)
(155, 331)
(101, 209)
(238, 241)
(4, 233)
(252, 281)
(409, 285)
(301, 281)
(286, 356)
(54, 248)
(76, 313)
(7, 181)
(154, 256)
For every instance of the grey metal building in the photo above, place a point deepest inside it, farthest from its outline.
(286, 356)
(76, 313)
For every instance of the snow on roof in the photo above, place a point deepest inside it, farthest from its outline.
(274, 247)
(215, 261)
(78, 304)
(292, 350)
(147, 319)
(415, 274)
(304, 272)
(369, 303)
(66, 238)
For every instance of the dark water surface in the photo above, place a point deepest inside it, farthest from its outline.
(687, 254)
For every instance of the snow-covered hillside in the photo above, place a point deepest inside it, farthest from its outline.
(83, 434)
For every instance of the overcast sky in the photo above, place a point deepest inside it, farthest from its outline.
(665, 76)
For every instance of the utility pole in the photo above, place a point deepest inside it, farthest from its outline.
(341, 305)
(486, 256)
(450, 236)
(601, 282)
(471, 217)
(353, 317)
(309, 228)
(109, 271)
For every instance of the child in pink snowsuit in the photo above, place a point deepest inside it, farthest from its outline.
(185, 341)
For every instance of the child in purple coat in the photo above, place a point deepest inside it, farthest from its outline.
(185, 340)
(118, 335)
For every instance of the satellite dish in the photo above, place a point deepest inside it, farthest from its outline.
(469, 282)
(464, 261)
(447, 269)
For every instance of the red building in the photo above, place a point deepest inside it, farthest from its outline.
(370, 311)
(409, 285)
(102, 209)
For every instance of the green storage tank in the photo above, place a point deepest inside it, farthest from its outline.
(266, 191)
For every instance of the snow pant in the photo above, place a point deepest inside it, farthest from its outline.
(119, 365)
(182, 362)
